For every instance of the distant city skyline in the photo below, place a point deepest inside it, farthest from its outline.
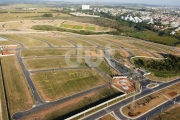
(152, 2)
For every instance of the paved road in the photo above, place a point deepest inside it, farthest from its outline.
(119, 67)
(116, 108)
(40, 105)
(45, 105)
(88, 60)
(30, 83)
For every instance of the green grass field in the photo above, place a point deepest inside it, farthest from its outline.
(36, 64)
(65, 25)
(90, 28)
(28, 42)
(59, 84)
(19, 96)
(78, 27)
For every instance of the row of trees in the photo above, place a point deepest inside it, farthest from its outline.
(171, 64)
(83, 32)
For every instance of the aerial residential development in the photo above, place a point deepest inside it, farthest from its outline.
(106, 60)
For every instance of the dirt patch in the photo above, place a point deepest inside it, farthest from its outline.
(124, 53)
(97, 28)
(72, 26)
(172, 94)
(95, 54)
(124, 84)
(85, 26)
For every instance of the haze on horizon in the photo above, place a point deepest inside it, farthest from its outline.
(152, 2)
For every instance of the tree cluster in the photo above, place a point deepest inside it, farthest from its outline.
(171, 64)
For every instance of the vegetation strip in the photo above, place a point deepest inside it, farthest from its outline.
(5, 94)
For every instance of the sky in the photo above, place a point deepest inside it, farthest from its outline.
(153, 2)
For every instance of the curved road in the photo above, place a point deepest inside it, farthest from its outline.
(116, 108)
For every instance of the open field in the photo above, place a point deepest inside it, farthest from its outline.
(77, 27)
(19, 96)
(59, 84)
(146, 46)
(90, 28)
(7, 43)
(43, 52)
(141, 53)
(60, 41)
(28, 42)
(61, 52)
(152, 36)
(37, 64)
(100, 42)
(80, 42)
(19, 15)
(63, 109)
(169, 77)
(104, 67)
(48, 52)
(65, 25)
(170, 114)
(120, 54)
(83, 26)
(145, 104)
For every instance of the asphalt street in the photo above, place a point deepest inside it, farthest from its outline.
(40, 104)
(45, 105)
(30, 83)
(116, 108)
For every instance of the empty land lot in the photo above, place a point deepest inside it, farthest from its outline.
(59, 84)
(55, 112)
(7, 42)
(103, 66)
(80, 42)
(60, 52)
(98, 41)
(83, 26)
(28, 42)
(19, 96)
(38, 64)
(60, 41)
